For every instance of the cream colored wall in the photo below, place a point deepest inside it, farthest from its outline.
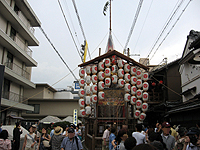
(48, 94)
(30, 92)
(15, 88)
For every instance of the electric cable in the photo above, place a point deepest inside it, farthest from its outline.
(117, 39)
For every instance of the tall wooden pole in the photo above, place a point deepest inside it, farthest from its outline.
(110, 16)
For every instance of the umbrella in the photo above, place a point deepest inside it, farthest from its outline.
(70, 119)
(50, 119)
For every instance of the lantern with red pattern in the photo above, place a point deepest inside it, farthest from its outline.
(133, 70)
(82, 113)
(107, 62)
(81, 82)
(94, 98)
(81, 103)
(126, 67)
(101, 85)
(142, 116)
(139, 73)
(101, 75)
(87, 100)
(88, 110)
(138, 104)
(136, 114)
(88, 79)
(139, 94)
(133, 90)
(145, 76)
(94, 69)
(101, 66)
(94, 89)
(127, 97)
(87, 90)
(114, 79)
(133, 80)
(120, 73)
(127, 77)
(145, 96)
(145, 86)
(133, 100)
(144, 107)
(114, 69)
(82, 72)
(121, 83)
(120, 63)
(101, 95)
(127, 87)
(114, 59)
(81, 93)
(107, 72)
(88, 70)
(94, 79)
(107, 82)
(139, 83)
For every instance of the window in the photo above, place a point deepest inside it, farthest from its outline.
(16, 9)
(6, 89)
(13, 33)
(36, 109)
(9, 61)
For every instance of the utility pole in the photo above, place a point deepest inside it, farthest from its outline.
(2, 68)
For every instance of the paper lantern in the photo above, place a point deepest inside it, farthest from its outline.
(120, 73)
(88, 110)
(153, 84)
(133, 70)
(144, 107)
(87, 100)
(101, 66)
(127, 97)
(94, 98)
(88, 79)
(139, 93)
(133, 100)
(107, 72)
(121, 83)
(145, 76)
(87, 90)
(120, 63)
(138, 104)
(81, 102)
(94, 79)
(126, 67)
(88, 70)
(142, 116)
(107, 82)
(94, 69)
(137, 114)
(114, 69)
(133, 90)
(127, 87)
(82, 72)
(139, 73)
(94, 88)
(101, 95)
(82, 113)
(81, 92)
(133, 80)
(145, 86)
(127, 77)
(101, 85)
(81, 82)
(101, 75)
(107, 62)
(139, 83)
(145, 96)
(114, 79)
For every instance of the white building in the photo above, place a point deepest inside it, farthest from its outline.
(17, 20)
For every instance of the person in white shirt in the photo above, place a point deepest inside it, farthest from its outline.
(140, 138)
(105, 142)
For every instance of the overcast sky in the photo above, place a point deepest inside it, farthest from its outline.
(151, 20)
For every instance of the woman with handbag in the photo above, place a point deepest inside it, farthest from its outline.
(44, 140)
(29, 140)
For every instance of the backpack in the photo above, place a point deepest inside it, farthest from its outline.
(180, 144)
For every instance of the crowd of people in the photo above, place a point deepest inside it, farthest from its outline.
(161, 137)
(70, 139)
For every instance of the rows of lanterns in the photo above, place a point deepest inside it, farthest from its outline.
(113, 71)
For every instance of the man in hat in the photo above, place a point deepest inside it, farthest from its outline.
(71, 142)
(168, 139)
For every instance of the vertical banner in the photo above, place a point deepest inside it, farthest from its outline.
(75, 117)
(85, 51)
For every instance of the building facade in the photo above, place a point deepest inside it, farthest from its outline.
(17, 22)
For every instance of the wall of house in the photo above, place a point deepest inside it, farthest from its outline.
(63, 95)
(48, 94)
(30, 92)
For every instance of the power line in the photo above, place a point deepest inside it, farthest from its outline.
(58, 53)
(79, 20)
(70, 30)
(133, 25)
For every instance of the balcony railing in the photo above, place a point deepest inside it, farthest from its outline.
(13, 97)
(18, 70)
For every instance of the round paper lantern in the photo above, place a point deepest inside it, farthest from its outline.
(133, 90)
(101, 95)
(82, 72)
(120, 63)
(114, 69)
(138, 104)
(81, 92)
(133, 80)
(139, 93)
(81, 82)
(94, 69)
(126, 67)
(144, 107)
(101, 85)
(88, 70)
(127, 87)
(127, 97)
(139, 83)
(107, 62)
(94, 79)
(114, 59)
(94, 98)
(145, 86)
(87, 90)
(114, 79)
(101, 75)
(121, 73)
(142, 116)
(107, 82)
(153, 84)
(145, 96)
(87, 100)
(82, 113)
(94, 88)
(107, 72)
(81, 102)
(88, 79)
(88, 110)
(133, 70)
(101, 66)
(137, 114)
(127, 77)
(139, 73)
(121, 83)
(145, 76)
(133, 100)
